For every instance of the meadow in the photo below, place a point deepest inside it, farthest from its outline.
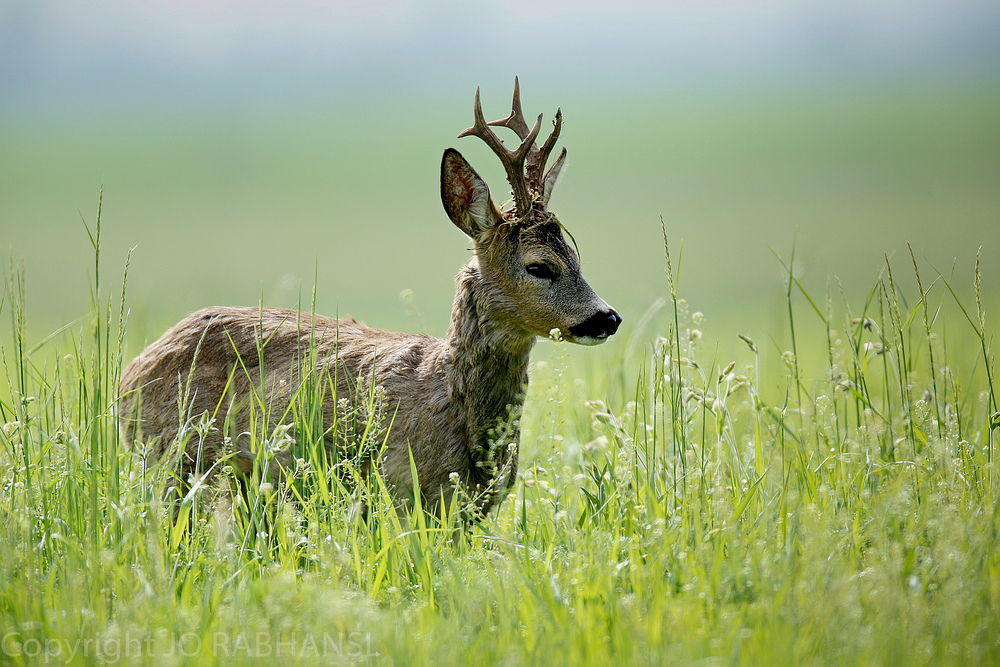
(767, 465)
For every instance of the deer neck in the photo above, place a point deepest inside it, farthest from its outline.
(487, 369)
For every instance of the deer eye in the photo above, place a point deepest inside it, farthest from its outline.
(539, 270)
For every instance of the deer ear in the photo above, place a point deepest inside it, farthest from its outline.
(466, 197)
(551, 177)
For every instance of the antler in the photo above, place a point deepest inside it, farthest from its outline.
(537, 157)
(524, 165)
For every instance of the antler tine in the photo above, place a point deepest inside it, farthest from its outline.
(513, 161)
(543, 154)
(477, 112)
(515, 121)
(538, 158)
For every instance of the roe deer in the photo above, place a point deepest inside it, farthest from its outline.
(453, 402)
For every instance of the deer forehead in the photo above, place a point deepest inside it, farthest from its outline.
(546, 242)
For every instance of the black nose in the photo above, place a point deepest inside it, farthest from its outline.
(598, 325)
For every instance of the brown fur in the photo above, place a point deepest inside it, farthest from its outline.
(452, 402)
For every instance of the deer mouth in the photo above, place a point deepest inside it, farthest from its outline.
(595, 329)
(589, 340)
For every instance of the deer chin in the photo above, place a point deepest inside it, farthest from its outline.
(589, 340)
(560, 335)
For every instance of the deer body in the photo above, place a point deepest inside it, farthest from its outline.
(452, 403)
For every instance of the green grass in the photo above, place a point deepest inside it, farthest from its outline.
(830, 501)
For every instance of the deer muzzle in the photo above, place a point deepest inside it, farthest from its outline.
(597, 328)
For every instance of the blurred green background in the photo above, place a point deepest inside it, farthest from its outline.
(250, 151)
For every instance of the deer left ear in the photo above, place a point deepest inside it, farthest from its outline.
(466, 197)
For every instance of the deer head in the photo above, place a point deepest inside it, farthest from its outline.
(531, 276)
